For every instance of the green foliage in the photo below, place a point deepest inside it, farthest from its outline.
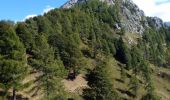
(61, 39)
(136, 60)
(13, 67)
(150, 96)
(123, 53)
(43, 25)
(123, 73)
(100, 85)
(25, 35)
(149, 87)
(152, 39)
(134, 85)
(43, 60)
(66, 49)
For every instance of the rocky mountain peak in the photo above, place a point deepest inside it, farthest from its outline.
(167, 23)
(71, 3)
(133, 20)
(155, 22)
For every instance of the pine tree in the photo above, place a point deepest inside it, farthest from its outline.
(44, 62)
(123, 73)
(134, 85)
(13, 64)
(25, 36)
(136, 59)
(123, 53)
(101, 87)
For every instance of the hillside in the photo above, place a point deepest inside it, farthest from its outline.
(86, 50)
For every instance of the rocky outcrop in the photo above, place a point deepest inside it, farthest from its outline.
(167, 23)
(155, 22)
(132, 19)
(109, 2)
(71, 3)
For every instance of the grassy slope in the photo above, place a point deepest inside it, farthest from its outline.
(162, 86)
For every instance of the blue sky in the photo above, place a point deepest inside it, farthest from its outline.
(18, 10)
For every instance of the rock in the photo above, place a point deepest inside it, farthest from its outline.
(117, 26)
(132, 19)
(109, 2)
(69, 4)
(167, 23)
(155, 22)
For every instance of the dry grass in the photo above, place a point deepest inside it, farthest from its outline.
(75, 86)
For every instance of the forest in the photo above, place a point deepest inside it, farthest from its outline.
(65, 43)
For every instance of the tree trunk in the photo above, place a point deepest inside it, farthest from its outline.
(5, 95)
(14, 94)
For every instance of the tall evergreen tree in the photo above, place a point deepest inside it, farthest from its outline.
(101, 87)
(52, 70)
(25, 36)
(123, 53)
(13, 63)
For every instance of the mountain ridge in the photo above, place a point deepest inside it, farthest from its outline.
(167, 23)
(133, 19)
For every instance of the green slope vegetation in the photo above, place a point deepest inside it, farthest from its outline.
(38, 54)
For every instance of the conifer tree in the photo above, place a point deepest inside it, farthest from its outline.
(13, 63)
(123, 53)
(52, 70)
(101, 87)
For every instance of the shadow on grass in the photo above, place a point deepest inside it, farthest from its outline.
(19, 97)
(8, 97)
(119, 80)
(126, 92)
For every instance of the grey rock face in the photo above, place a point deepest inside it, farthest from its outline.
(167, 23)
(158, 22)
(155, 22)
(70, 3)
(109, 2)
(132, 19)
